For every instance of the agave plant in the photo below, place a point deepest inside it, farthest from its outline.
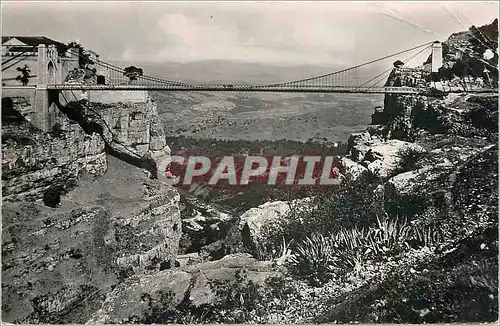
(314, 256)
(322, 256)
(350, 247)
(427, 237)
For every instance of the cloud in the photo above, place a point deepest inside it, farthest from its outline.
(267, 32)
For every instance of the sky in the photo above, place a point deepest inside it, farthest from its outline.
(286, 33)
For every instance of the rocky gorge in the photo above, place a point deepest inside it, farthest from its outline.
(411, 235)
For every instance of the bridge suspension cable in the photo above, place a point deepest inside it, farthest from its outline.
(121, 71)
(382, 76)
(22, 49)
(310, 81)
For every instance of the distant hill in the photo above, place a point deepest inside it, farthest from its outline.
(222, 71)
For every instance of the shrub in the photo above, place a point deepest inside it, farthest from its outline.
(314, 257)
(265, 252)
(389, 238)
(52, 196)
(322, 257)
(398, 64)
(352, 204)
(410, 159)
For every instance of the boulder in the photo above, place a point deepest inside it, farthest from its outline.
(352, 170)
(377, 168)
(403, 184)
(384, 156)
(358, 145)
(358, 152)
(358, 138)
(255, 222)
(192, 286)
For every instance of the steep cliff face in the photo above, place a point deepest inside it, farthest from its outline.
(127, 122)
(59, 263)
(447, 178)
(470, 61)
(113, 221)
(130, 122)
(32, 161)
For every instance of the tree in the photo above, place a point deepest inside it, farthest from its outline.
(459, 69)
(132, 73)
(445, 73)
(24, 77)
(83, 57)
(398, 64)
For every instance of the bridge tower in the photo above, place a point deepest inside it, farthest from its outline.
(48, 72)
(437, 56)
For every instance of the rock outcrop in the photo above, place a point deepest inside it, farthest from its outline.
(134, 125)
(130, 126)
(256, 223)
(33, 161)
(464, 68)
(108, 220)
(105, 230)
(371, 154)
(150, 298)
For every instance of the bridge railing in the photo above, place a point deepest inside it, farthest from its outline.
(241, 88)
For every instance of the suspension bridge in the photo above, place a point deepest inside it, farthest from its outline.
(53, 71)
(342, 81)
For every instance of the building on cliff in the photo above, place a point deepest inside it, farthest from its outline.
(30, 64)
(21, 51)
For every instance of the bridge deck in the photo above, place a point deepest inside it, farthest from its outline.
(240, 88)
(245, 88)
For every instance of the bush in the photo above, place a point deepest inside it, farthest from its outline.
(52, 196)
(320, 258)
(349, 205)
(410, 159)
(315, 258)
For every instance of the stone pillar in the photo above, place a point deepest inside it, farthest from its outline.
(42, 62)
(437, 56)
(43, 119)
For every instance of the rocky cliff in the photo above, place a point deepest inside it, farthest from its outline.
(434, 162)
(33, 161)
(85, 131)
(77, 218)
(470, 61)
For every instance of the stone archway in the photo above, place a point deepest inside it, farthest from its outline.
(51, 73)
